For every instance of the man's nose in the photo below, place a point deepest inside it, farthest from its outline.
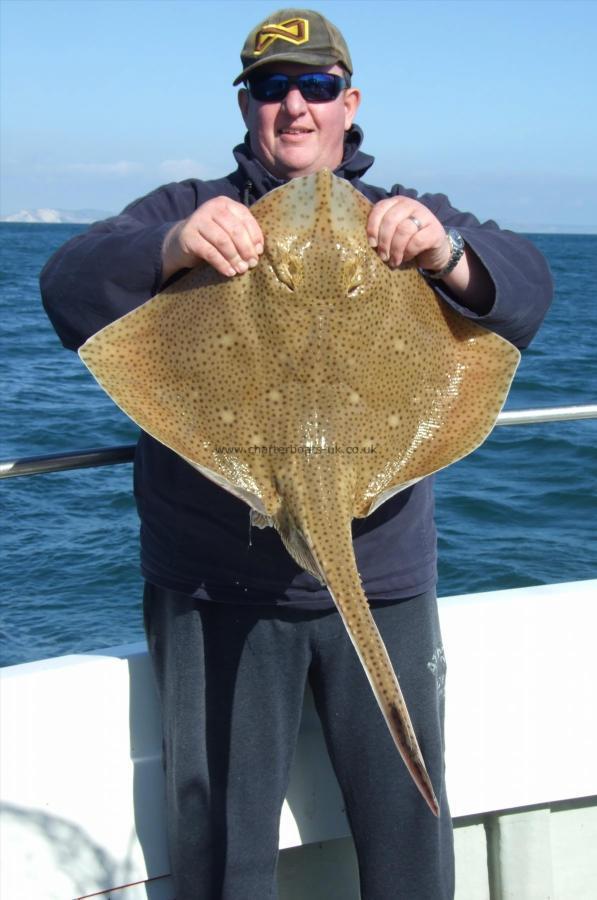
(294, 102)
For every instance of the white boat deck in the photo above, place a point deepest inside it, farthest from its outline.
(82, 783)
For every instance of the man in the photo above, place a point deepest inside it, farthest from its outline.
(234, 627)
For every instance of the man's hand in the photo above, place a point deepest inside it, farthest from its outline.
(403, 231)
(221, 232)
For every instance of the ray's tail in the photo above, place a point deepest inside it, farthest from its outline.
(321, 541)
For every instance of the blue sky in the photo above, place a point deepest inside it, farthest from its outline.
(493, 103)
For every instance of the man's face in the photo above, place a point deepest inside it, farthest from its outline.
(295, 137)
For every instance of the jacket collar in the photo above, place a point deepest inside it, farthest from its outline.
(257, 181)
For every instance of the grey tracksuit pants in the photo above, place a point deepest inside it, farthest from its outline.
(231, 680)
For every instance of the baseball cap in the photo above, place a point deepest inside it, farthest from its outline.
(294, 35)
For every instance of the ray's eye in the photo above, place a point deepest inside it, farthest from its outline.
(354, 278)
(287, 271)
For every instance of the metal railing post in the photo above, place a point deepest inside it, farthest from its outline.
(124, 453)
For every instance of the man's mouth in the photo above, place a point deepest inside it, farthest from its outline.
(295, 131)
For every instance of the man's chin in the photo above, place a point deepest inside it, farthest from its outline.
(294, 165)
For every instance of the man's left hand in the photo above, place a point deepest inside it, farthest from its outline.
(404, 231)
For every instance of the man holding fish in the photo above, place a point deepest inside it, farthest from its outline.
(235, 626)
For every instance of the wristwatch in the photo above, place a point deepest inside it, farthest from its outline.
(456, 242)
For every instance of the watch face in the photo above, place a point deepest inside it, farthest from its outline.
(456, 238)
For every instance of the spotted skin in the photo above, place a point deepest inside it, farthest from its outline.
(314, 387)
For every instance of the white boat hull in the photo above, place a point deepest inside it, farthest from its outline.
(83, 790)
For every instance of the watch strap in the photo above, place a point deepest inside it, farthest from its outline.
(456, 242)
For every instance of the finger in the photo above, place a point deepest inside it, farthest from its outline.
(250, 223)
(395, 232)
(405, 250)
(430, 246)
(235, 220)
(423, 239)
(210, 242)
(239, 246)
(376, 216)
(214, 258)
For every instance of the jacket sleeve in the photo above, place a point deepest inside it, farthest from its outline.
(520, 274)
(115, 266)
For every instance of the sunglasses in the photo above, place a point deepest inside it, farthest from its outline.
(315, 87)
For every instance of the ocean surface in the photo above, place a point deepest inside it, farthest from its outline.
(519, 511)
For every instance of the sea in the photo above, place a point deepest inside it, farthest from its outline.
(519, 511)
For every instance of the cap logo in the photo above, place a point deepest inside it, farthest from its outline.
(294, 31)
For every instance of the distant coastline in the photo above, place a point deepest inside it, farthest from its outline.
(541, 228)
(48, 216)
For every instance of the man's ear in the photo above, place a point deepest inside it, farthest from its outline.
(352, 99)
(243, 103)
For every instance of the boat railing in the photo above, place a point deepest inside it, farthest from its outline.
(124, 453)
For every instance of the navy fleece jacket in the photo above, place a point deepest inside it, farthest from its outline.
(195, 537)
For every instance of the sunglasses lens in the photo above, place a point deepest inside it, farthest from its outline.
(320, 87)
(269, 88)
(316, 87)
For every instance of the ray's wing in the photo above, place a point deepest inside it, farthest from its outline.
(457, 392)
(429, 392)
(188, 367)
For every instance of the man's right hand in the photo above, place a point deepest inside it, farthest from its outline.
(221, 232)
